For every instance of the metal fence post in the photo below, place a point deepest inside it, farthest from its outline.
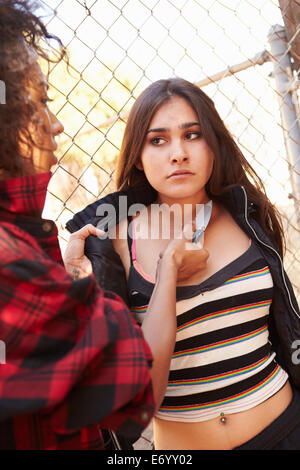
(283, 79)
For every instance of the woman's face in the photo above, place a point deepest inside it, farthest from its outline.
(176, 160)
(45, 132)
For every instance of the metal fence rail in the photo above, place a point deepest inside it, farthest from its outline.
(247, 64)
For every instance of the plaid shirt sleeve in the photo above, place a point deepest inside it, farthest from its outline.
(73, 352)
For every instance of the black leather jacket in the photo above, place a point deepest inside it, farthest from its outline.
(284, 319)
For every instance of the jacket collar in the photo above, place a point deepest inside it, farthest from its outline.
(236, 200)
(24, 196)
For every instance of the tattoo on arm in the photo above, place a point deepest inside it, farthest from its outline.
(75, 273)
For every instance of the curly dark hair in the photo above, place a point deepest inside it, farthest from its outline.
(21, 36)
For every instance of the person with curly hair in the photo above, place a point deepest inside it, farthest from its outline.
(75, 362)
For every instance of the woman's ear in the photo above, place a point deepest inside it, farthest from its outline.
(139, 165)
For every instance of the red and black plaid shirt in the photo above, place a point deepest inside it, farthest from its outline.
(74, 358)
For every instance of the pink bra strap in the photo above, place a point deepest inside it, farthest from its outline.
(136, 265)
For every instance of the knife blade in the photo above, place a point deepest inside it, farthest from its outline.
(202, 220)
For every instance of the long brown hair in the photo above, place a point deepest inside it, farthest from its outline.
(230, 166)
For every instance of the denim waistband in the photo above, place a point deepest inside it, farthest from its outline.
(279, 429)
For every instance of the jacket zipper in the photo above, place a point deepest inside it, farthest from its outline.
(273, 249)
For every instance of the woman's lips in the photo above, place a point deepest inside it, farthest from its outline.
(183, 174)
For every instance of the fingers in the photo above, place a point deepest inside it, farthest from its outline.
(86, 231)
(204, 255)
(188, 231)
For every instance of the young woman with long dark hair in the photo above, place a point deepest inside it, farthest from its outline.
(232, 377)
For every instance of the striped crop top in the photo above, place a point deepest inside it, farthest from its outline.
(222, 361)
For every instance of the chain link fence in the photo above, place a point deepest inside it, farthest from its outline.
(244, 54)
(118, 47)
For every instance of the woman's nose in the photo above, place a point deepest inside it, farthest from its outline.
(178, 153)
(179, 157)
(56, 125)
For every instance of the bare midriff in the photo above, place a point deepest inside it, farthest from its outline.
(218, 434)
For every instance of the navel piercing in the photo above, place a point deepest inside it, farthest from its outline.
(222, 418)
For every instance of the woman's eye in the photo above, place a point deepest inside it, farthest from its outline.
(192, 135)
(46, 100)
(157, 141)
